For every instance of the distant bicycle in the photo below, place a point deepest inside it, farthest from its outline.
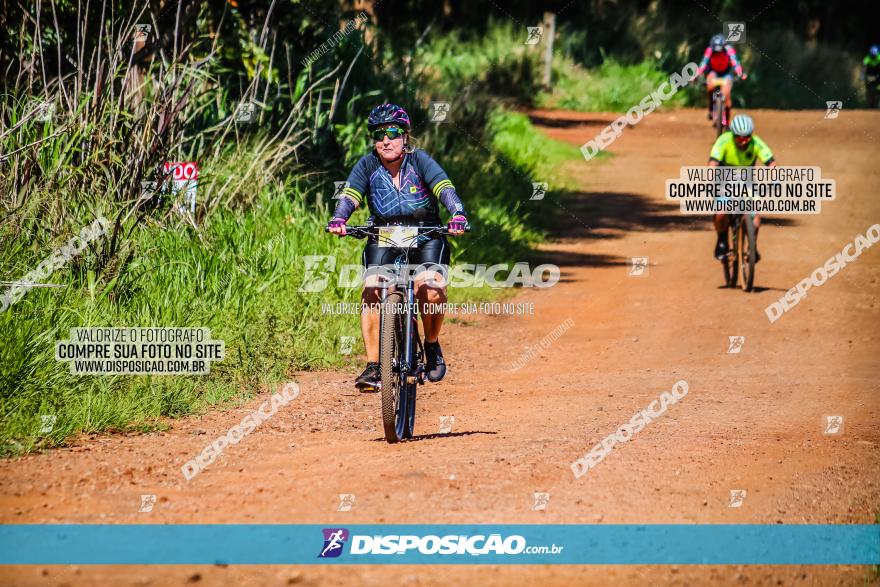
(401, 353)
(720, 64)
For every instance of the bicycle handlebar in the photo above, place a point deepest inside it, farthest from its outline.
(365, 231)
(718, 81)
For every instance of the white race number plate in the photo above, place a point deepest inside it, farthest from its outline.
(398, 236)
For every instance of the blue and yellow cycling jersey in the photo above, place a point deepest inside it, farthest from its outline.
(727, 153)
(422, 183)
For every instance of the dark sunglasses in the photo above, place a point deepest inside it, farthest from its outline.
(392, 132)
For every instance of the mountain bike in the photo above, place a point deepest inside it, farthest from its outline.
(743, 239)
(402, 365)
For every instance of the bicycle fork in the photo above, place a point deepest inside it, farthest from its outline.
(408, 336)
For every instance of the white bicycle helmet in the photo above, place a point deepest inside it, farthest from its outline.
(742, 125)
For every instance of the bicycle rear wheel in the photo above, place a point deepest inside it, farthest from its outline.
(748, 254)
(395, 395)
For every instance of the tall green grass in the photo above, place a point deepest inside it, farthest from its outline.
(468, 67)
(239, 275)
(514, 136)
(611, 87)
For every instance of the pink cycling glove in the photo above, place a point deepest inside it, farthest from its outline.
(336, 224)
(457, 224)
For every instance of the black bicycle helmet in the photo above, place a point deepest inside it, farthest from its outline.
(387, 114)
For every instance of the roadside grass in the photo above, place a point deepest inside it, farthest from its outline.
(611, 87)
(514, 136)
(466, 67)
(240, 277)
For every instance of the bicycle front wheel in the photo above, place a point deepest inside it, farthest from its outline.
(718, 119)
(393, 386)
(731, 262)
(748, 250)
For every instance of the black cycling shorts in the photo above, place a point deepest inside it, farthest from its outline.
(432, 252)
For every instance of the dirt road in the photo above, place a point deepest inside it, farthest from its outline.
(752, 420)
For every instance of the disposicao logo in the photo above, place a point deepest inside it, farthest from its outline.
(334, 541)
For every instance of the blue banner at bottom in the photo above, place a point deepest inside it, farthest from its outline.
(697, 544)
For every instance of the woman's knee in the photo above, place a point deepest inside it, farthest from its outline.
(431, 294)
(371, 295)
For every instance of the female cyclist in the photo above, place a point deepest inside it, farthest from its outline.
(401, 185)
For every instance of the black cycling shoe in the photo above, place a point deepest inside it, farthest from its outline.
(721, 249)
(757, 255)
(368, 381)
(436, 365)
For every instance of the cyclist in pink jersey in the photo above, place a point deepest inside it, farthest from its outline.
(720, 60)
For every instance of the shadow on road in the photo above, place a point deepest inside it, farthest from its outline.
(435, 435)
(539, 120)
(759, 289)
(596, 215)
(755, 289)
(568, 258)
(581, 215)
